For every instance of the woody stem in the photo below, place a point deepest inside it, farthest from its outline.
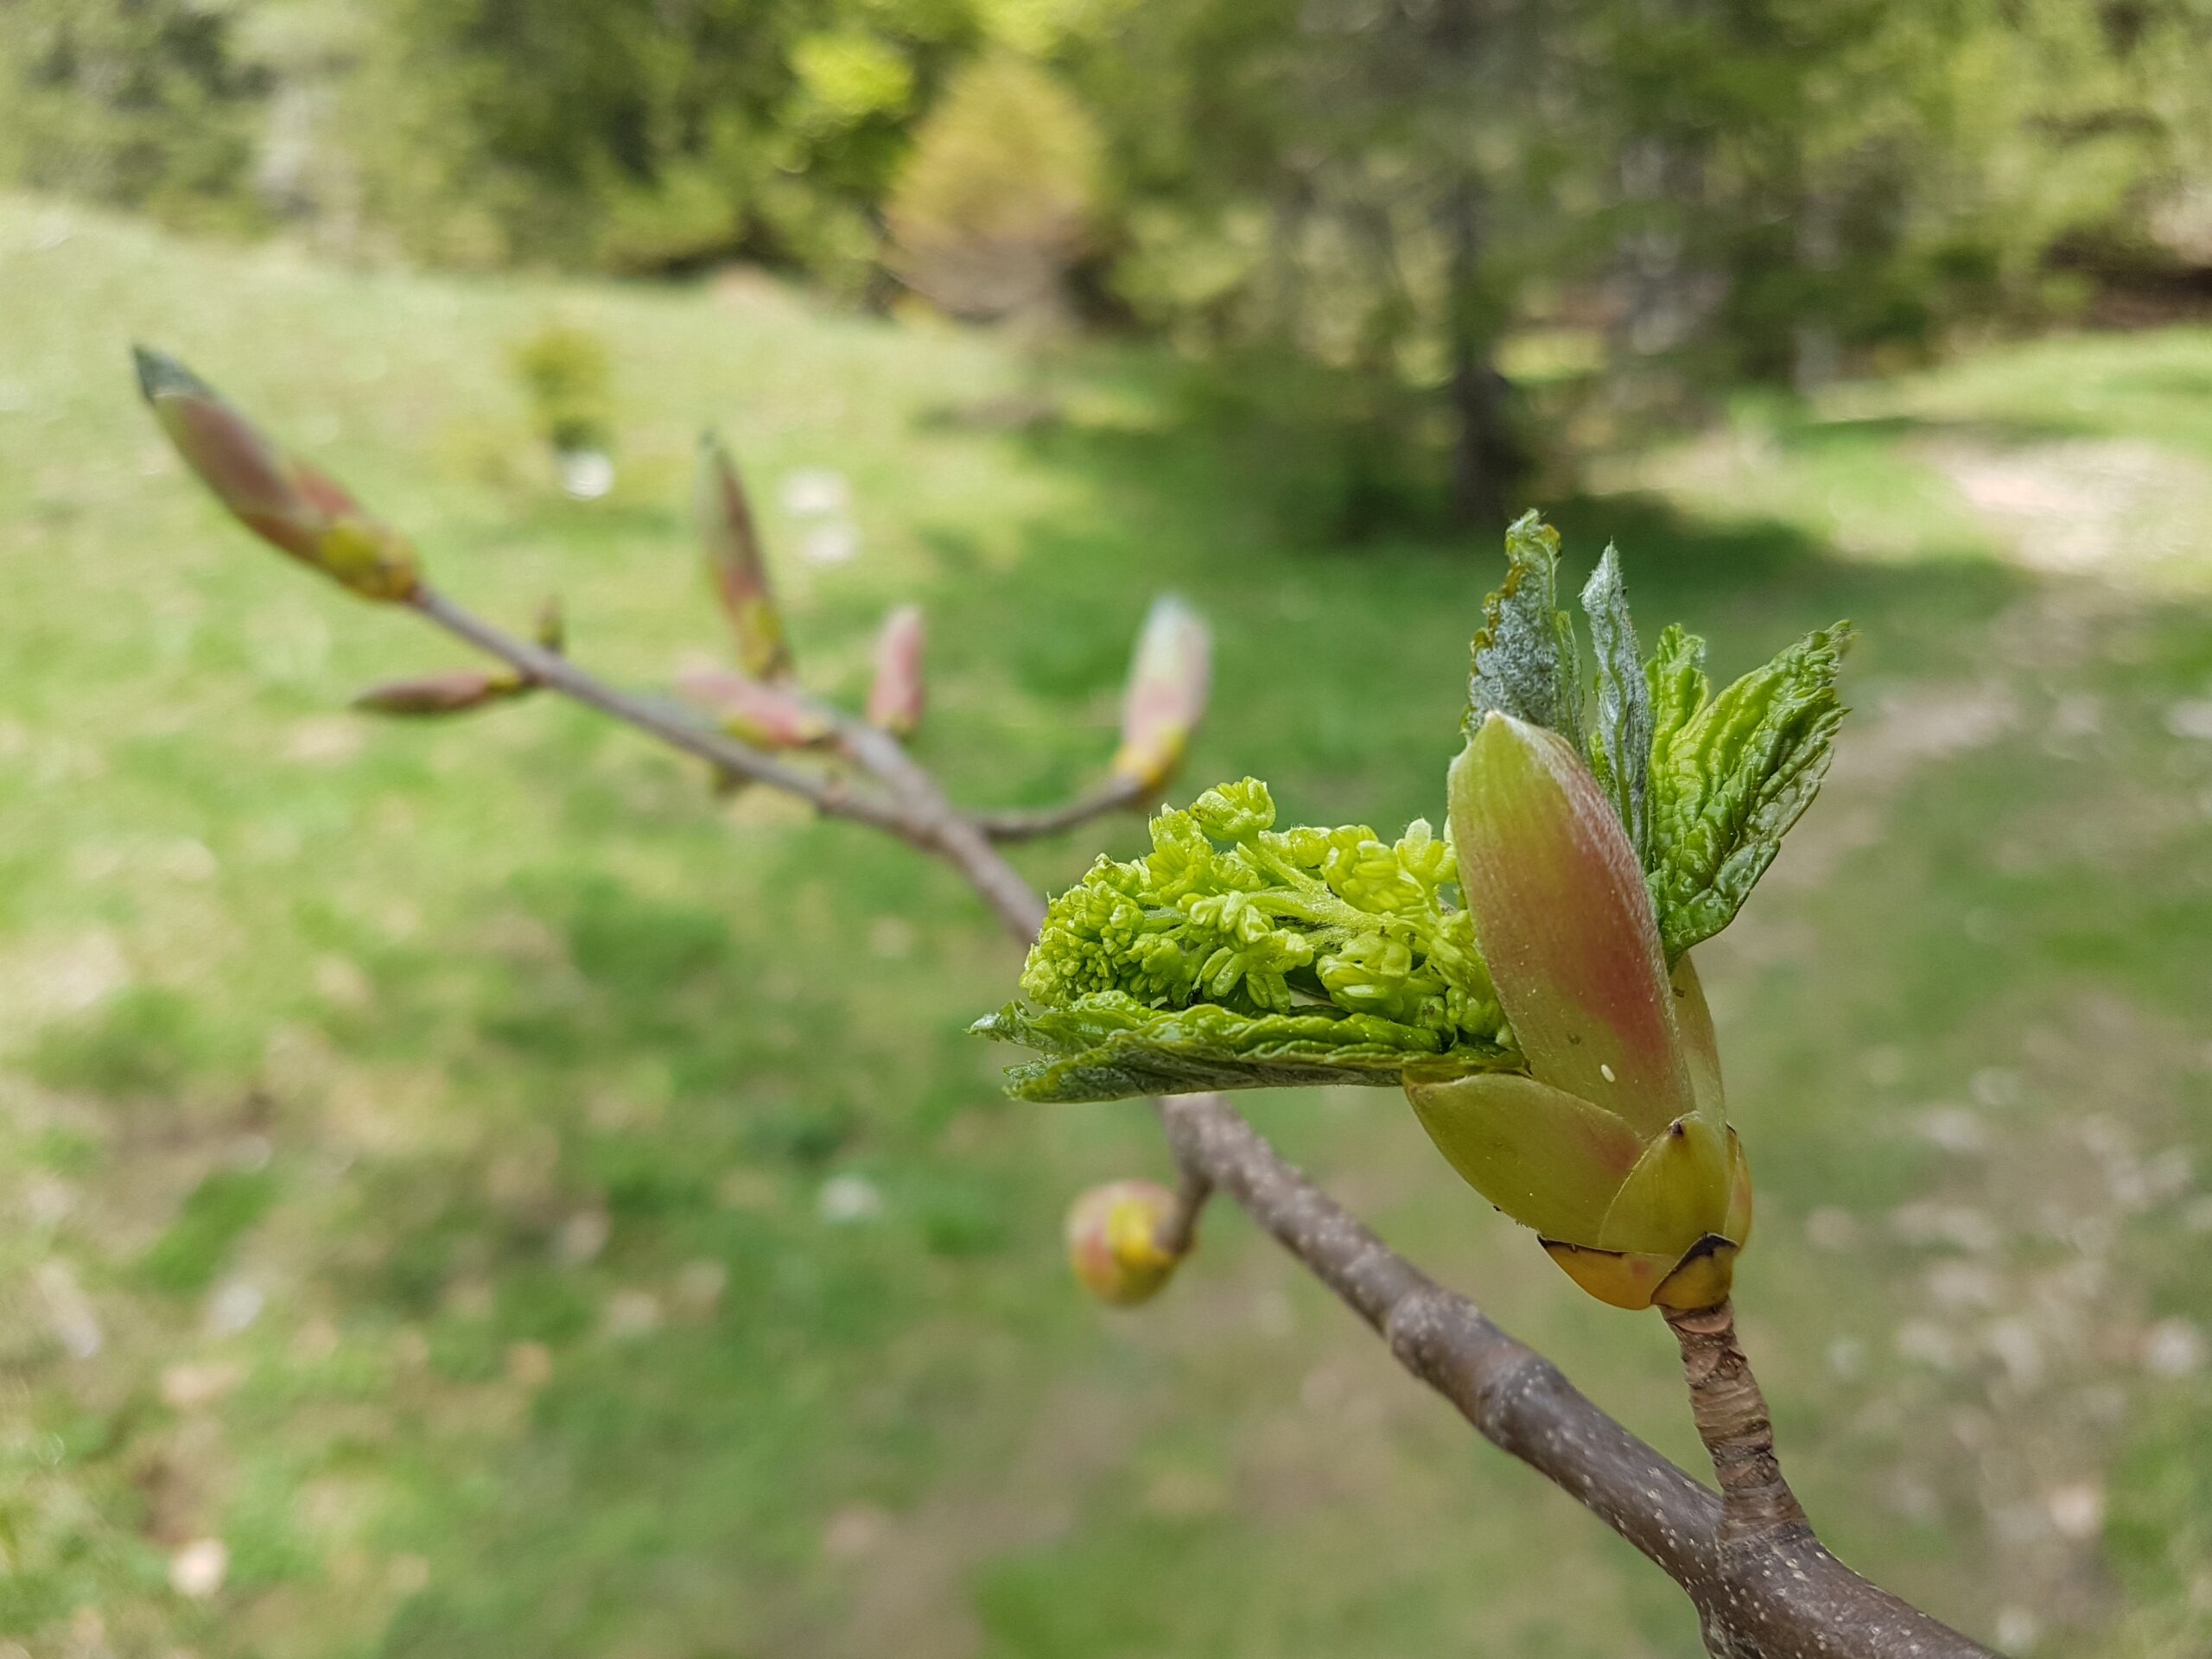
(1756, 1502)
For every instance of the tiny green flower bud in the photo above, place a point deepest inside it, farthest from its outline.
(1615, 1147)
(895, 700)
(1166, 693)
(455, 690)
(731, 543)
(551, 629)
(287, 502)
(1113, 1234)
(772, 717)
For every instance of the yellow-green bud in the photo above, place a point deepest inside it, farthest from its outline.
(1166, 694)
(1114, 1241)
(731, 543)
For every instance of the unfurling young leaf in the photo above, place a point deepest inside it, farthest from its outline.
(1166, 695)
(1731, 776)
(772, 717)
(1539, 1011)
(731, 543)
(452, 691)
(1526, 662)
(1114, 1241)
(1620, 744)
(896, 695)
(289, 503)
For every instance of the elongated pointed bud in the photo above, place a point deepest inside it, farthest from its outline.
(453, 691)
(896, 695)
(1616, 1148)
(286, 501)
(770, 716)
(1114, 1241)
(1166, 695)
(730, 541)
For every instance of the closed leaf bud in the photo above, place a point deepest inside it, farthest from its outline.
(283, 499)
(1114, 1241)
(453, 691)
(770, 716)
(730, 541)
(895, 697)
(1166, 694)
(1616, 1146)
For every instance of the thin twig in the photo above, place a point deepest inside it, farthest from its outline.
(1027, 823)
(555, 672)
(1178, 1229)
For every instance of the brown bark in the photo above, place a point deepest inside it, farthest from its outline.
(1756, 1502)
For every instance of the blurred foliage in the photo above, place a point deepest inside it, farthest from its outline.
(1782, 189)
(145, 104)
(994, 201)
(568, 380)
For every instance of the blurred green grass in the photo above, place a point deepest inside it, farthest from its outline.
(434, 1123)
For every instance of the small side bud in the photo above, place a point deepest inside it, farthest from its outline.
(551, 628)
(1114, 1241)
(293, 506)
(731, 543)
(895, 700)
(770, 716)
(455, 691)
(1166, 695)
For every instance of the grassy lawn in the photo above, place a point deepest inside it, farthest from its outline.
(431, 1152)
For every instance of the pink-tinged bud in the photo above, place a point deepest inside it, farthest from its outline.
(1113, 1234)
(1166, 695)
(731, 543)
(770, 716)
(287, 502)
(1616, 1148)
(895, 700)
(1565, 922)
(455, 691)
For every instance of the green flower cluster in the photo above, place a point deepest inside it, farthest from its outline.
(1227, 911)
(1238, 956)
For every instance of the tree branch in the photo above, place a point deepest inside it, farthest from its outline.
(1761, 1591)
(1027, 823)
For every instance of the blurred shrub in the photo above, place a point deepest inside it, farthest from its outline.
(994, 204)
(1330, 456)
(145, 103)
(567, 379)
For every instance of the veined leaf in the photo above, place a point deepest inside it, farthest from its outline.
(1729, 777)
(1107, 1046)
(1526, 662)
(1620, 746)
(1676, 680)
